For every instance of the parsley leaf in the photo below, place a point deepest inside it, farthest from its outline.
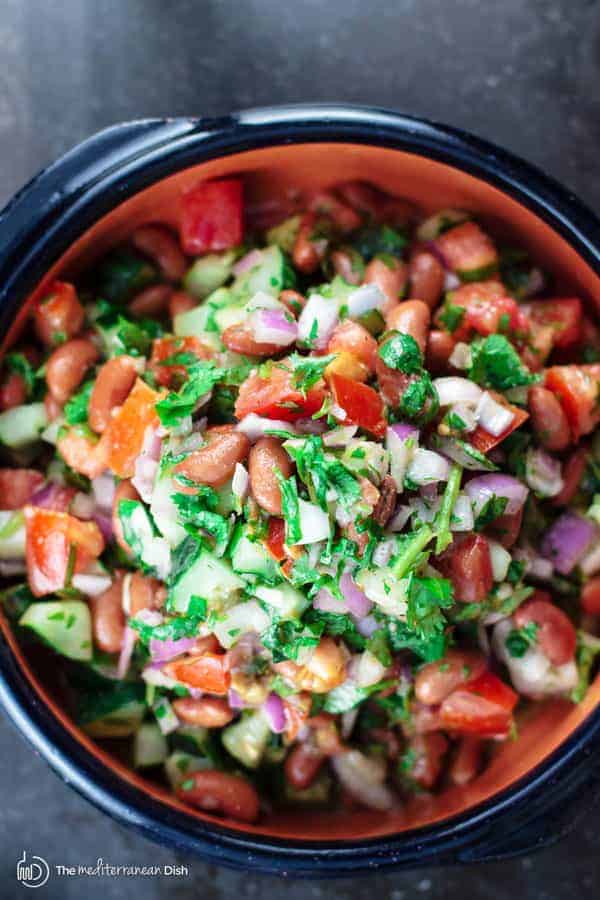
(322, 472)
(492, 508)
(519, 640)
(495, 363)
(202, 377)
(338, 625)
(286, 638)
(451, 316)
(173, 629)
(427, 597)
(290, 508)
(420, 399)
(375, 240)
(76, 408)
(20, 365)
(197, 512)
(400, 351)
(136, 337)
(307, 370)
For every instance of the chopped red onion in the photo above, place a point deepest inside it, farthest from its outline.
(83, 506)
(428, 467)
(404, 430)
(240, 481)
(234, 700)
(53, 496)
(400, 442)
(326, 602)
(255, 427)
(129, 639)
(325, 313)
(365, 299)
(367, 626)
(356, 601)
(310, 426)
(484, 487)
(543, 473)
(247, 262)
(145, 473)
(163, 651)
(461, 356)
(104, 523)
(273, 326)
(363, 777)
(400, 518)
(384, 551)
(150, 617)
(567, 541)
(453, 389)
(91, 585)
(434, 249)
(493, 416)
(274, 710)
(451, 281)
(103, 488)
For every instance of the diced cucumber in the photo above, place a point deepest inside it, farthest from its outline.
(208, 577)
(12, 534)
(284, 234)
(149, 746)
(105, 706)
(271, 275)
(120, 723)
(164, 511)
(64, 624)
(229, 315)
(179, 765)
(289, 602)
(250, 557)
(247, 739)
(191, 736)
(373, 321)
(239, 620)
(318, 794)
(227, 501)
(22, 425)
(440, 222)
(208, 273)
(479, 273)
(199, 322)
(152, 551)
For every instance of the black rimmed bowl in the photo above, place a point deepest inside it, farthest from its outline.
(90, 200)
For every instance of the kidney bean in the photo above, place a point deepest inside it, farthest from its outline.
(240, 338)
(411, 317)
(388, 738)
(555, 635)
(67, 366)
(429, 750)
(124, 491)
(108, 618)
(17, 486)
(352, 338)
(267, 458)
(436, 680)
(13, 391)
(308, 253)
(302, 765)
(180, 302)
(572, 473)
(220, 792)
(440, 345)
(52, 406)
(386, 502)
(426, 275)
(206, 712)
(145, 592)
(214, 464)
(548, 418)
(111, 388)
(292, 300)
(59, 314)
(590, 596)
(151, 302)
(390, 278)
(467, 761)
(344, 217)
(161, 245)
(364, 197)
(343, 266)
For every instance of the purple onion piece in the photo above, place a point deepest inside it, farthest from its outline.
(129, 639)
(326, 602)
(163, 651)
(483, 487)
(274, 710)
(357, 602)
(404, 430)
(567, 540)
(367, 626)
(234, 700)
(104, 523)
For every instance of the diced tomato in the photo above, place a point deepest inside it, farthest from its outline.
(123, 439)
(17, 486)
(59, 315)
(276, 397)
(13, 391)
(487, 310)
(212, 216)
(483, 441)
(208, 672)
(590, 597)
(572, 473)
(563, 315)
(352, 338)
(51, 537)
(166, 347)
(484, 707)
(363, 405)
(578, 389)
(82, 453)
(467, 249)
(589, 340)
(468, 565)
(538, 347)
(556, 633)
(276, 538)
(506, 529)
(296, 714)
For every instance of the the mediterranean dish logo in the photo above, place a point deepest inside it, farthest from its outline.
(33, 871)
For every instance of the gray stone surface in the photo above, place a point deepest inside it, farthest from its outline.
(523, 73)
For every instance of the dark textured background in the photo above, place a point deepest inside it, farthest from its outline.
(524, 73)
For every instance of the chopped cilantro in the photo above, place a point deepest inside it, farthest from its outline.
(400, 351)
(493, 507)
(496, 364)
(444, 515)
(196, 511)
(377, 240)
(20, 365)
(519, 640)
(451, 316)
(286, 638)
(76, 408)
(136, 337)
(307, 370)
(420, 399)
(202, 377)
(290, 508)
(427, 597)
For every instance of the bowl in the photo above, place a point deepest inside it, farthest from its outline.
(88, 201)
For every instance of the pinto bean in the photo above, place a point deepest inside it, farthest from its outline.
(67, 365)
(160, 244)
(17, 486)
(440, 345)
(344, 217)
(206, 712)
(411, 317)
(466, 762)
(219, 792)
(308, 253)
(151, 302)
(180, 302)
(13, 391)
(429, 750)
(302, 765)
(390, 278)
(386, 502)
(240, 338)
(438, 679)
(125, 491)
(548, 418)
(214, 464)
(351, 337)
(427, 276)
(108, 618)
(112, 386)
(267, 458)
(342, 265)
(60, 313)
(145, 592)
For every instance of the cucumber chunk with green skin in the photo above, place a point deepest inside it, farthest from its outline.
(287, 600)
(12, 534)
(191, 738)
(180, 765)
(440, 222)
(250, 557)
(150, 550)
(22, 425)
(480, 273)
(149, 746)
(199, 322)
(271, 275)
(284, 235)
(121, 723)
(65, 625)
(164, 511)
(246, 740)
(208, 577)
(208, 273)
(105, 706)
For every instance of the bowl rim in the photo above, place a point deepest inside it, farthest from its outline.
(39, 225)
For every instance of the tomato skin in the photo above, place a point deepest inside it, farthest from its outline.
(483, 706)
(362, 404)
(122, 441)
(49, 538)
(276, 397)
(556, 634)
(351, 337)
(276, 538)
(17, 486)
(207, 672)
(563, 315)
(590, 596)
(483, 441)
(466, 247)
(212, 216)
(507, 528)
(163, 348)
(468, 565)
(577, 388)
(58, 311)
(572, 474)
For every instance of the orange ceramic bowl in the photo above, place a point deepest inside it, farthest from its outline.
(90, 200)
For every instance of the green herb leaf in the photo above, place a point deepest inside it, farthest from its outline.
(492, 509)
(400, 351)
(496, 364)
(451, 316)
(76, 408)
(202, 377)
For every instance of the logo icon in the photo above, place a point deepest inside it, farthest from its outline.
(33, 872)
